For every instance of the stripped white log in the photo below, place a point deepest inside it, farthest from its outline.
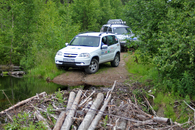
(157, 119)
(147, 122)
(70, 101)
(69, 118)
(40, 118)
(100, 113)
(16, 73)
(23, 102)
(91, 113)
(161, 119)
(62, 115)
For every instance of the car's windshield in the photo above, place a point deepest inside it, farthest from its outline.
(89, 41)
(121, 30)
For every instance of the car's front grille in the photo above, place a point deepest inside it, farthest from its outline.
(70, 55)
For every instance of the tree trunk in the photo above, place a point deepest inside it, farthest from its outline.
(91, 113)
(68, 121)
(62, 115)
(99, 115)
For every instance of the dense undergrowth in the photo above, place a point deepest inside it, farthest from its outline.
(166, 101)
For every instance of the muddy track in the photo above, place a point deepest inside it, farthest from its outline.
(105, 76)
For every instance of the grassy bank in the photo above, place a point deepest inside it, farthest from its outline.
(46, 67)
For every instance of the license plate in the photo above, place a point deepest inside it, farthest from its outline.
(68, 60)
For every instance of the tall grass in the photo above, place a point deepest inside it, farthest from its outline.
(141, 71)
(46, 67)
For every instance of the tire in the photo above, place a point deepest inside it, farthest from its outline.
(93, 67)
(62, 67)
(116, 61)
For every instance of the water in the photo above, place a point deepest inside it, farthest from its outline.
(13, 90)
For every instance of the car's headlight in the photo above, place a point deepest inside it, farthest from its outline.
(87, 55)
(59, 53)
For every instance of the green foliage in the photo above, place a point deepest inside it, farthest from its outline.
(166, 35)
(173, 106)
(60, 96)
(86, 13)
(30, 26)
(106, 10)
(186, 84)
(143, 71)
(105, 121)
(23, 122)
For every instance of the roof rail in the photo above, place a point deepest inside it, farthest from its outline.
(116, 21)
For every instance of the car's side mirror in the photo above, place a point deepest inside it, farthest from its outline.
(104, 46)
(66, 44)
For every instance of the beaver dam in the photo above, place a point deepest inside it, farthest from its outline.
(104, 108)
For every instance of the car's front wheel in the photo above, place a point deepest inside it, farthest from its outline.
(116, 61)
(93, 67)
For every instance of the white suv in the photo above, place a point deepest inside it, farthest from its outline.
(88, 50)
(120, 29)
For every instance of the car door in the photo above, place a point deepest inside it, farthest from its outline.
(104, 51)
(112, 46)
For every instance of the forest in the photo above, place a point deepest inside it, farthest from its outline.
(33, 30)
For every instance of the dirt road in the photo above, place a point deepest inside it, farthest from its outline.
(105, 76)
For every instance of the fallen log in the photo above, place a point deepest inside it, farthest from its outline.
(23, 102)
(62, 115)
(161, 119)
(100, 113)
(16, 73)
(147, 122)
(91, 113)
(68, 121)
(9, 67)
(98, 116)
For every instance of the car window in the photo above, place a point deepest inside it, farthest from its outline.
(104, 40)
(89, 41)
(121, 30)
(110, 30)
(104, 29)
(112, 40)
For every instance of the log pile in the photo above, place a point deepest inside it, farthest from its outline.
(11, 70)
(113, 109)
(9, 67)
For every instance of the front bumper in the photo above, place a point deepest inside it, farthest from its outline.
(78, 62)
